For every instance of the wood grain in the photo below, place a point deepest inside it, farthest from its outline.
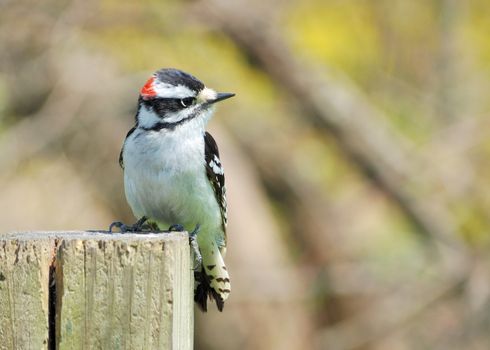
(112, 291)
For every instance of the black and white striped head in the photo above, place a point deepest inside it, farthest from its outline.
(172, 97)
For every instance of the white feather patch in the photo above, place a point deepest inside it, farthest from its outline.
(207, 94)
(165, 90)
(147, 118)
(217, 169)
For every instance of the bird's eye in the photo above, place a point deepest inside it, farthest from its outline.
(186, 102)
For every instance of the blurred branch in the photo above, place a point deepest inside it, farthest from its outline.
(391, 313)
(34, 133)
(335, 105)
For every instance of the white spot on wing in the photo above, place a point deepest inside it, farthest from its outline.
(216, 168)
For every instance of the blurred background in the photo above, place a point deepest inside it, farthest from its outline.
(357, 154)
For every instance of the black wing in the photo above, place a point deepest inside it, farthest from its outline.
(121, 160)
(216, 175)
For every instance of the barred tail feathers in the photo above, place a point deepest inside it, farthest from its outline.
(212, 281)
(218, 275)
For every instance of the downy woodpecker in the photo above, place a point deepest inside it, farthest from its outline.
(173, 174)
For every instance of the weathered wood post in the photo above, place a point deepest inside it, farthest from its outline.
(94, 290)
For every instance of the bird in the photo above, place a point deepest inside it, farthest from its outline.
(173, 173)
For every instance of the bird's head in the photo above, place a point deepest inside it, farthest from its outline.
(172, 97)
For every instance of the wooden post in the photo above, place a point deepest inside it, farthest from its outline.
(94, 290)
(24, 282)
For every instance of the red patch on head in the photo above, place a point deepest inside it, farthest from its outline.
(147, 91)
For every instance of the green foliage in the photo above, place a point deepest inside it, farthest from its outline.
(338, 33)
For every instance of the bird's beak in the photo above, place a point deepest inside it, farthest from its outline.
(220, 97)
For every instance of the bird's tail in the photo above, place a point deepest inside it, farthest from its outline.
(212, 281)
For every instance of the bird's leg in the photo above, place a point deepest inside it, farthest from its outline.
(152, 226)
(192, 242)
(139, 225)
(136, 227)
(195, 247)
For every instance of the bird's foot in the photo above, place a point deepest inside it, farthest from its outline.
(176, 228)
(136, 227)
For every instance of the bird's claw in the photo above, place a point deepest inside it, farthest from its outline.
(137, 227)
(119, 225)
(176, 228)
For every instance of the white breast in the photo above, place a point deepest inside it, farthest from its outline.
(165, 177)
